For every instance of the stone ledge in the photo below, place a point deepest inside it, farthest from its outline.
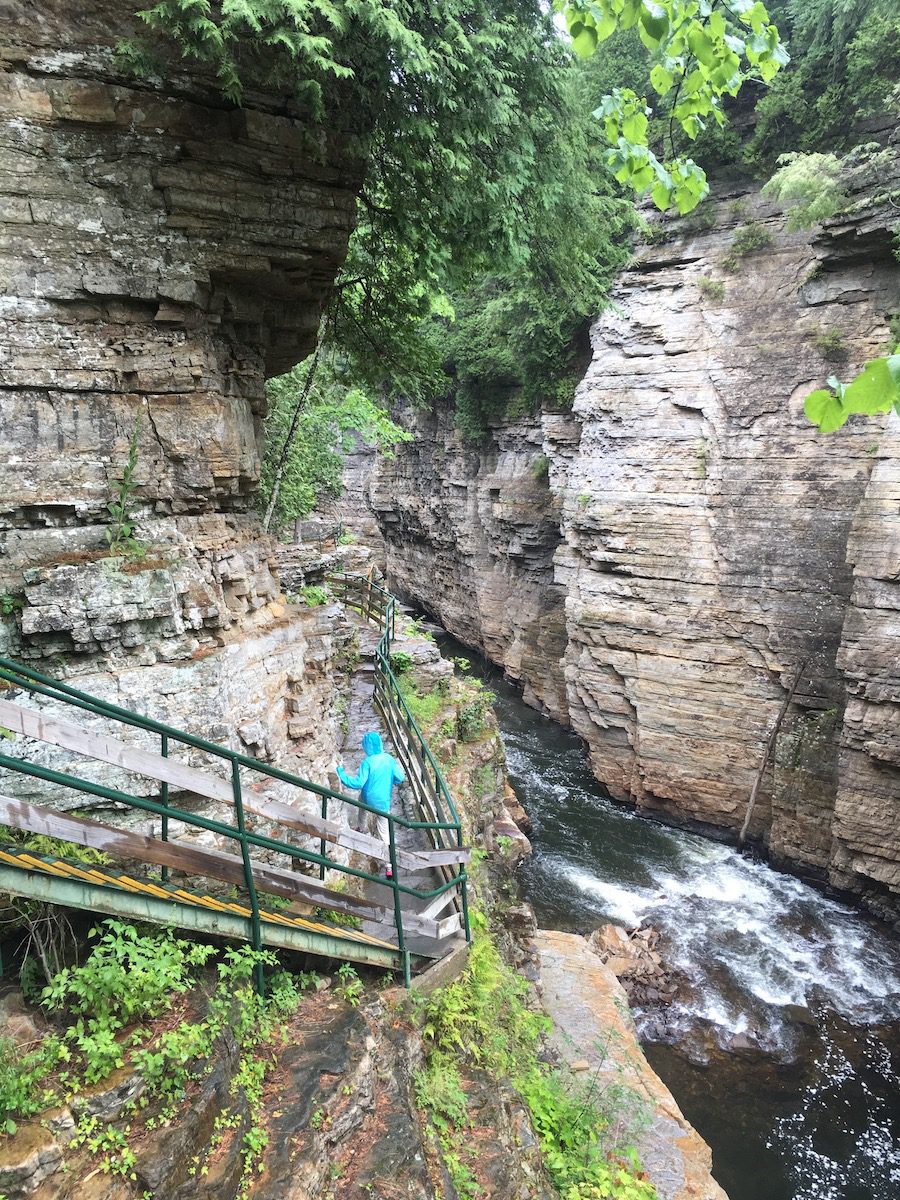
(593, 1030)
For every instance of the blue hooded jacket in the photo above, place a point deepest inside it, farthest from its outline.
(378, 772)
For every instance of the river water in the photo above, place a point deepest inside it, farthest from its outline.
(784, 1048)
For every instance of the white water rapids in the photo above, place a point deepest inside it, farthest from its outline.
(801, 991)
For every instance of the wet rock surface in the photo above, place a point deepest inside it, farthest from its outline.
(594, 1032)
(469, 532)
(632, 957)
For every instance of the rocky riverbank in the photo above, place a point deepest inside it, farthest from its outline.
(342, 1114)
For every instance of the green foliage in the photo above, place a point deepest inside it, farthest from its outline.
(108, 1143)
(312, 415)
(23, 1079)
(424, 706)
(472, 713)
(415, 629)
(875, 390)
(540, 468)
(401, 662)
(830, 343)
(351, 985)
(846, 63)
(750, 238)
(50, 847)
(344, 920)
(712, 289)
(120, 534)
(812, 180)
(314, 595)
(10, 603)
(128, 976)
(484, 1019)
(702, 53)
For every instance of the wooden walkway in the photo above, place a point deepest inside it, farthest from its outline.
(411, 919)
(414, 843)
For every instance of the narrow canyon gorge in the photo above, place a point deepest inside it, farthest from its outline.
(662, 566)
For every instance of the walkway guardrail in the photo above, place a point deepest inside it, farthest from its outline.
(230, 788)
(434, 803)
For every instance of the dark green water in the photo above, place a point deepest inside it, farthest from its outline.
(808, 1106)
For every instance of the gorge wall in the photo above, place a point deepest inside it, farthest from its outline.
(661, 567)
(163, 253)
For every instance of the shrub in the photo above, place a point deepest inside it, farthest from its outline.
(749, 238)
(313, 595)
(470, 718)
(712, 289)
(540, 468)
(128, 976)
(401, 662)
(811, 181)
(23, 1077)
(830, 344)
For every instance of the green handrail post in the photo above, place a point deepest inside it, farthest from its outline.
(322, 844)
(256, 925)
(398, 911)
(164, 800)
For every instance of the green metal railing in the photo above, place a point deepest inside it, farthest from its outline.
(379, 605)
(433, 797)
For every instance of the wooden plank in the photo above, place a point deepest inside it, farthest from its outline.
(181, 856)
(446, 858)
(35, 724)
(438, 905)
(194, 860)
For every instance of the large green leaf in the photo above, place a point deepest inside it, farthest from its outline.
(584, 42)
(662, 79)
(824, 409)
(875, 389)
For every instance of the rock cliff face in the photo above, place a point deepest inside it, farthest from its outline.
(713, 550)
(470, 533)
(163, 253)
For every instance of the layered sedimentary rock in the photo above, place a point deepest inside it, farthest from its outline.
(706, 561)
(716, 551)
(163, 252)
(470, 530)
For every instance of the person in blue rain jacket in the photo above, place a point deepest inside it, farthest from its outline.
(378, 773)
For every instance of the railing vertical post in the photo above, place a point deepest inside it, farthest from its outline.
(322, 844)
(464, 889)
(248, 871)
(164, 799)
(398, 912)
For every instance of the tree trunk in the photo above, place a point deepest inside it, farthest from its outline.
(281, 465)
(770, 745)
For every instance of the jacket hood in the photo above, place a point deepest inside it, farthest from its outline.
(371, 743)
